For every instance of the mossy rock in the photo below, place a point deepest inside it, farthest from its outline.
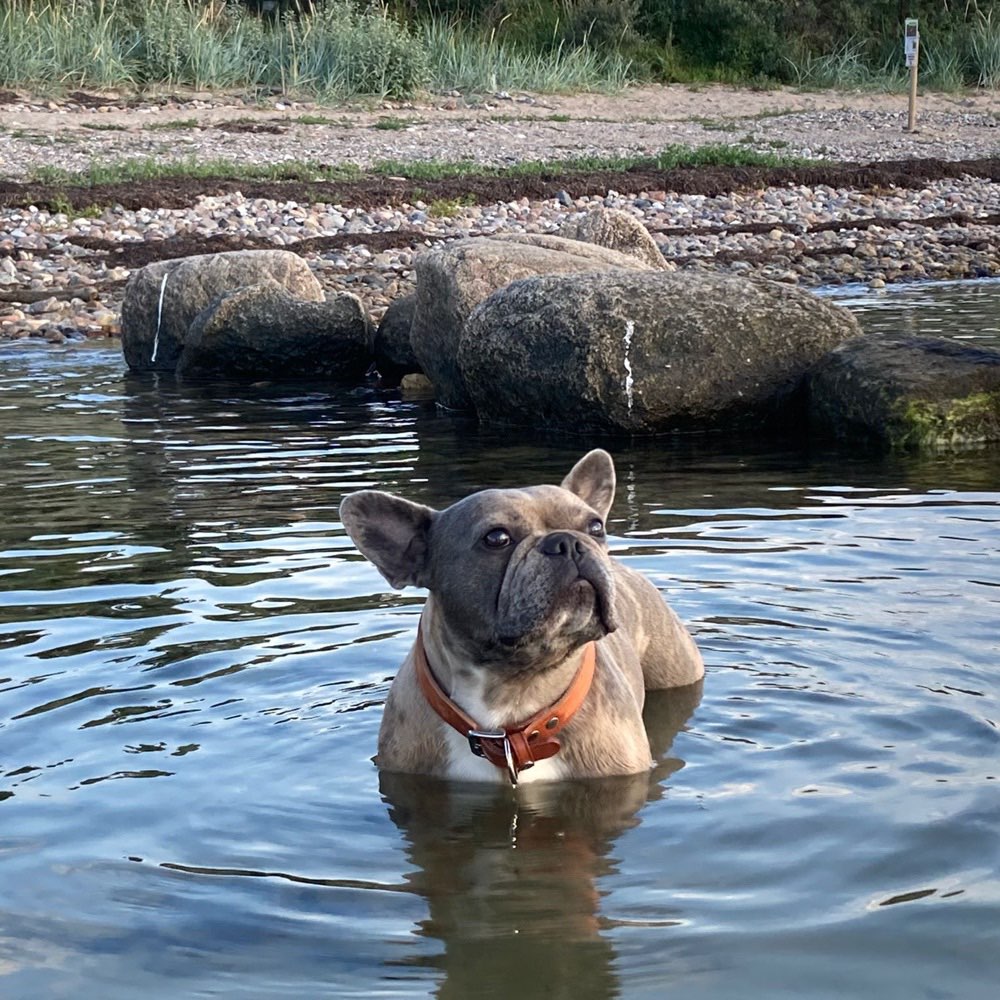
(909, 393)
(973, 419)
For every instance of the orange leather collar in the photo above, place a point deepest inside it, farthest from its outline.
(514, 748)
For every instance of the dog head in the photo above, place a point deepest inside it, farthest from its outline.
(520, 577)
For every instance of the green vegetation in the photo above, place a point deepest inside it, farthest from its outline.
(723, 156)
(984, 47)
(59, 204)
(321, 120)
(968, 420)
(668, 159)
(447, 208)
(42, 138)
(174, 125)
(339, 49)
(155, 168)
(841, 43)
(336, 49)
(714, 124)
(390, 123)
(491, 59)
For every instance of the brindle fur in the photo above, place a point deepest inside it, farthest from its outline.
(504, 627)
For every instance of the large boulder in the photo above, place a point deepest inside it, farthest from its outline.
(163, 298)
(617, 230)
(644, 352)
(453, 280)
(909, 392)
(263, 330)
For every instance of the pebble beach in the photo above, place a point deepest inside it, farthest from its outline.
(55, 286)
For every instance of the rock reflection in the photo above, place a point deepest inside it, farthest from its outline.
(512, 880)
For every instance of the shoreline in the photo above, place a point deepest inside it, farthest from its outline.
(72, 268)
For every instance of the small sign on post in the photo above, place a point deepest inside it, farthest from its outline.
(911, 47)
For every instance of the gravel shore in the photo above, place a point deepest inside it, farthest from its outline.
(59, 278)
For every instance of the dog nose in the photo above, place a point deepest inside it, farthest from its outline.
(561, 543)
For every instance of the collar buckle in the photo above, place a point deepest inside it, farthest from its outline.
(494, 745)
(497, 738)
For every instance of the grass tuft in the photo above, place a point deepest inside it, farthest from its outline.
(845, 68)
(311, 119)
(984, 50)
(447, 208)
(465, 60)
(103, 127)
(390, 123)
(173, 125)
(338, 50)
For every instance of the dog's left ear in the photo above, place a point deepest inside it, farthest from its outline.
(592, 479)
(391, 533)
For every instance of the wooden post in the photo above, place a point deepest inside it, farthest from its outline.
(911, 43)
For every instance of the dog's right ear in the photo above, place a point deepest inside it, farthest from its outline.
(592, 479)
(390, 532)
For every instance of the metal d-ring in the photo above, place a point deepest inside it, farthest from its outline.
(509, 757)
(476, 738)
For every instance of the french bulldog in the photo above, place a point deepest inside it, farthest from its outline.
(535, 647)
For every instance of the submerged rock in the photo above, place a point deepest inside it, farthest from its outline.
(644, 352)
(909, 392)
(453, 280)
(162, 299)
(416, 386)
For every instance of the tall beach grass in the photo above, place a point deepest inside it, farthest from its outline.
(949, 61)
(335, 49)
(984, 50)
(341, 49)
(465, 60)
(75, 43)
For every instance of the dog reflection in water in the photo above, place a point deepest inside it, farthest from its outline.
(512, 880)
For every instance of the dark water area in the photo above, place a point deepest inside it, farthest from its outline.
(194, 660)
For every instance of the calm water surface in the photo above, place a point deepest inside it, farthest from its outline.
(966, 310)
(195, 658)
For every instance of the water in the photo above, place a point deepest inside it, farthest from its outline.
(966, 310)
(194, 660)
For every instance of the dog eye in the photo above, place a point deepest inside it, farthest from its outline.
(496, 539)
(596, 528)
